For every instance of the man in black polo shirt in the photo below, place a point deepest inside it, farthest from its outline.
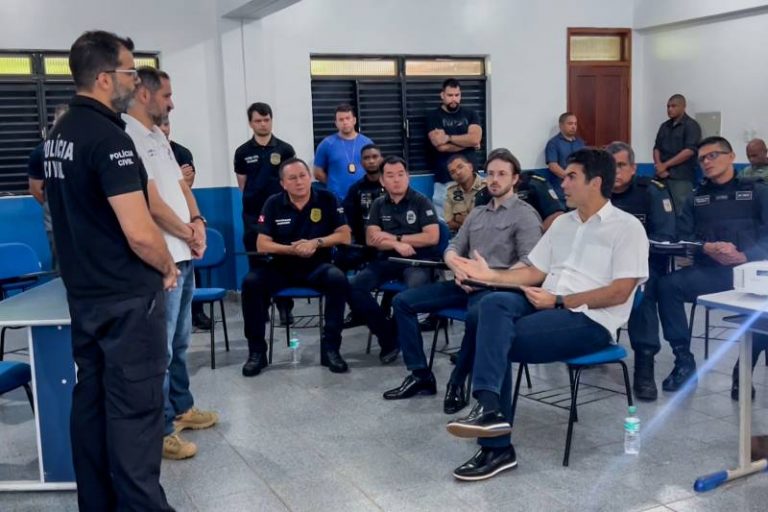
(401, 223)
(674, 152)
(115, 265)
(298, 227)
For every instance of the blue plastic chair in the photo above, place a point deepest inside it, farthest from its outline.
(16, 259)
(14, 374)
(292, 293)
(214, 256)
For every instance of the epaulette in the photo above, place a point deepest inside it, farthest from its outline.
(659, 184)
(537, 177)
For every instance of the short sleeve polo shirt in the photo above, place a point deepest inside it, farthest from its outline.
(260, 165)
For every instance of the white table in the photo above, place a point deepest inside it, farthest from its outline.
(43, 310)
(754, 306)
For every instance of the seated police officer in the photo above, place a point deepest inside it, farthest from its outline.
(401, 223)
(649, 201)
(504, 232)
(297, 227)
(460, 195)
(729, 216)
(536, 191)
(577, 291)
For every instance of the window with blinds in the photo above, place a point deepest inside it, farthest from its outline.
(32, 84)
(392, 96)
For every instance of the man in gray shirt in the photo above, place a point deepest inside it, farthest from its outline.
(757, 154)
(504, 231)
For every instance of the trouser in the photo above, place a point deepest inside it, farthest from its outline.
(682, 286)
(178, 323)
(510, 329)
(679, 190)
(644, 321)
(263, 282)
(362, 302)
(429, 299)
(116, 424)
(250, 234)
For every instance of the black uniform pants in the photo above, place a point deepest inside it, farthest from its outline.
(643, 323)
(264, 281)
(117, 406)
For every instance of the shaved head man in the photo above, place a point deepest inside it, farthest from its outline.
(757, 154)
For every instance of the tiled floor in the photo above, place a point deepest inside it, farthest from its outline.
(308, 440)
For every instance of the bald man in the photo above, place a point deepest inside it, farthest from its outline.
(757, 154)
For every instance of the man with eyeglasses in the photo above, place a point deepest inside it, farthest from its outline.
(115, 265)
(729, 217)
(649, 201)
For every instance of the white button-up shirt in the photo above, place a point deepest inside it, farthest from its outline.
(157, 156)
(582, 256)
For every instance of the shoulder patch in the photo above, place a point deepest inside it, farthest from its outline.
(659, 184)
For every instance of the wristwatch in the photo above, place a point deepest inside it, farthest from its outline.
(559, 302)
(399, 238)
(320, 242)
(199, 217)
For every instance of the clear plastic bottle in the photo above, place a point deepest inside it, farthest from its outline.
(294, 344)
(632, 432)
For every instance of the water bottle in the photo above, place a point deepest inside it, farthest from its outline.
(294, 345)
(632, 432)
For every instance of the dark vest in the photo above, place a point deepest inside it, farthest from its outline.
(727, 213)
(636, 200)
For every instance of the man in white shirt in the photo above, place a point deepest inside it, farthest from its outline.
(174, 209)
(573, 297)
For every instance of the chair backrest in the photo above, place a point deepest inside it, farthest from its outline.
(445, 237)
(17, 259)
(215, 252)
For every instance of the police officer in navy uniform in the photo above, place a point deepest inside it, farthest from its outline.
(402, 223)
(650, 202)
(536, 191)
(115, 265)
(298, 227)
(729, 216)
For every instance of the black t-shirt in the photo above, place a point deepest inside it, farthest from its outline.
(261, 164)
(182, 155)
(89, 158)
(35, 163)
(357, 205)
(453, 123)
(408, 217)
(281, 221)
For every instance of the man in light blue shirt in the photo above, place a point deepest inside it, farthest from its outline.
(337, 159)
(559, 148)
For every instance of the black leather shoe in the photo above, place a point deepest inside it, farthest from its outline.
(684, 370)
(352, 320)
(735, 390)
(388, 355)
(486, 463)
(454, 400)
(255, 363)
(429, 323)
(480, 423)
(201, 321)
(333, 360)
(412, 386)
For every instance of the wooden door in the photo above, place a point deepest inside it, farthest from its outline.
(599, 96)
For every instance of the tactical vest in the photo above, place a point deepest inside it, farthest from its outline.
(727, 214)
(636, 200)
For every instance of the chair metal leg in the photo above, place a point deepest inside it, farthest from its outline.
(271, 330)
(288, 331)
(516, 393)
(2, 342)
(370, 340)
(445, 330)
(440, 322)
(28, 391)
(224, 324)
(690, 322)
(469, 387)
(572, 417)
(571, 379)
(527, 375)
(213, 329)
(321, 316)
(706, 333)
(630, 401)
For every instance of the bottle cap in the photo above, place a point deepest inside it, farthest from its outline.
(632, 409)
(294, 343)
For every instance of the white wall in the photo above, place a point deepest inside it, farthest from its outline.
(186, 34)
(525, 40)
(718, 64)
(654, 13)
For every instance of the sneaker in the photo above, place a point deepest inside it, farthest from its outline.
(176, 447)
(195, 419)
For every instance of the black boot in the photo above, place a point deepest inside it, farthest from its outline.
(735, 381)
(331, 358)
(199, 319)
(645, 382)
(684, 370)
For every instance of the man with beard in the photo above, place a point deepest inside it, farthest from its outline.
(451, 129)
(503, 231)
(175, 211)
(364, 192)
(115, 265)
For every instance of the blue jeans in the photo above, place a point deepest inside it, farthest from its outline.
(510, 329)
(178, 323)
(428, 299)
